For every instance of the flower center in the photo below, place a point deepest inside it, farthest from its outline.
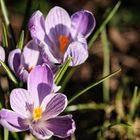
(37, 113)
(30, 68)
(63, 42)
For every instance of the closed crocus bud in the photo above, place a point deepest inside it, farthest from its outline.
(22, 62)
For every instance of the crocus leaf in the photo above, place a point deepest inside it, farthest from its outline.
(7, 22)
(6, 134)
(15, 135)
(60, 74)
(87, 106)
(104, 23)
(4, 36)
(21, 40)
(9, 73)
(106, 65)
(67, 78)
(93, 85)
(134, 101)
(4, 12)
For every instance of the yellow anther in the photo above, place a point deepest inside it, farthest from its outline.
(37, 113)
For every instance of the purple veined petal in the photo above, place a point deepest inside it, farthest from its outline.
(41, 132)
(36, 26)
(78, 50)
(47, 54)
(14, 60)
(21, 102)
(31, 56)
(2, 54)
(54, 67)
(40, 83)
(13, 121)
(61, 126)
(57, 25)
(23, 74)
(83, 22)
(53, 105)
(57, 16)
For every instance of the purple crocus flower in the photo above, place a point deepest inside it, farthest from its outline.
(61, 36)
(37, 108)
(2, 54)
(22, 62)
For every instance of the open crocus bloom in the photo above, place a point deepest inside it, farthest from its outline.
(23, 62)
(61, 36)
(37, 108)
(2, 54)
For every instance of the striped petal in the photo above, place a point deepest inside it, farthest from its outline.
(40, 83)
(13, 121)
(83, 22)
(61, 126)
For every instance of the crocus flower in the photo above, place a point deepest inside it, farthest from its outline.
(61, 36)
(2, 54)
(22, 62)
(37, 108)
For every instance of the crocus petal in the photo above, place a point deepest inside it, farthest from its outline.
(41, 132)
(82, 22)
(61, 126)
(23, 74)
(31, 56)
(36, 26)
(14, 60)
(47, 53)
(78, 51)
(57, 24)
(40, 83)
(2, 54)
(57, 16)
(54, 104)
(21, 102)
(56, 88)
(12, 121)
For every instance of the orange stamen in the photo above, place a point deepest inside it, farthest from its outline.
(63, 42)
(30, 69)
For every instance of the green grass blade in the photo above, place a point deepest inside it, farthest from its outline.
(119, 105)
(67, 78)
(134, 102)
(62, 71)
(104, 23)
(0, 105)
(89, 106)
(7, 21)
(4, 12)
(93, 85)
(15, 135)
(27, 15)
(6, 134)
(21, 40)
(4, 36)
(106, 65)
(9, 73)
